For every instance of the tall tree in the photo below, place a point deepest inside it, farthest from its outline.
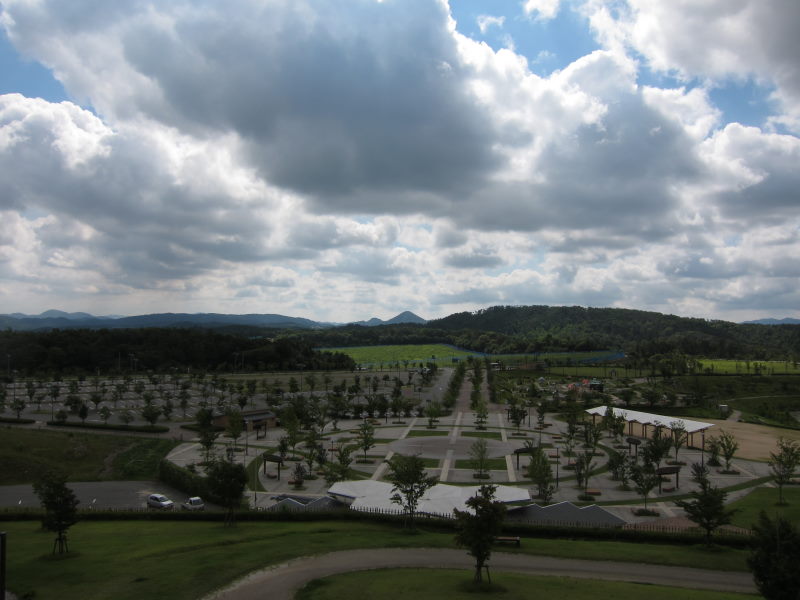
(477, 529)
(775, 558)
(227, 481)
(60, 506)
(409, 483)
(707, 504)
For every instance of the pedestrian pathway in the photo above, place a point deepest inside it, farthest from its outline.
(281, 582)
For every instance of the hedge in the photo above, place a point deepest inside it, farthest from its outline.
(135, 428)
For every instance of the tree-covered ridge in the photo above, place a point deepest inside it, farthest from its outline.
(529, 329)
(580, 328)
(85, 350)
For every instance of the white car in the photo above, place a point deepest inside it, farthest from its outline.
(159, 501)
(194, 503)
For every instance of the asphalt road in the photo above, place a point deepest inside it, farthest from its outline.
(282, 581)
(95, 494)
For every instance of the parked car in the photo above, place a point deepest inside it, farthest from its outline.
(159, 501)
(194, 503)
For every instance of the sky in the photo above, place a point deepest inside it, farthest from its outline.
(346, 160)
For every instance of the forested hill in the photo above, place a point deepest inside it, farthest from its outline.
(578, 328)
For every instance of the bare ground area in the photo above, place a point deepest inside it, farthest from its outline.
(755, 441)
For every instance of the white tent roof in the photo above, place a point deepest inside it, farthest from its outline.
(651, 419)
(441, 499)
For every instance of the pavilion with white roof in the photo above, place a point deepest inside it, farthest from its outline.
(440, 500)
(646, 420)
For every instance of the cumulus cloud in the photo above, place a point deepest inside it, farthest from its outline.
(307, 157)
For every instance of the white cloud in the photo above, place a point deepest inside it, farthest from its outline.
(326, 161)
(542, 9)
(487, 21)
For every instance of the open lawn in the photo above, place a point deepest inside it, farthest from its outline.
(766, 499)
(743, 367)
(434, 584)
(388, 357)
(26, 453)
(129, 560)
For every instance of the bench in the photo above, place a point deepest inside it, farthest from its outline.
(508, 539)
(554, 455)
(271, 476)
(592, 492)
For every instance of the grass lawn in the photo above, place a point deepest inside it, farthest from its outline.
(492, 435)
(186, 560)
(766, 499)
(390, 355)
(25, 453)
(427, 433)
(434, 584)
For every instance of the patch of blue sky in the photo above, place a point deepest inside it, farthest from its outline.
(549, 45)
(740, 101)
(26, 77)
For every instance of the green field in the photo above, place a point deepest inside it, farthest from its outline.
(766, 499)
(27, 453)
(434, 584)
(129, 560)
(393, 357)
(743, 367)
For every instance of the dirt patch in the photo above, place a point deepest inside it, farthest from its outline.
(755, 441)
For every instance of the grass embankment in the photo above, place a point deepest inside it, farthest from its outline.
(434, 584)
(128, 560)
(26, 453)
(766, 499)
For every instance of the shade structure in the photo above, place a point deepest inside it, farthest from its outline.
(440, 500)
(643, 418)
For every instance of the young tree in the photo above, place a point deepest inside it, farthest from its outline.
(477, 529)
(583, 468)
(707, 506)
(783, 463)
(644, 479)
(338, 469)
(235, 426)
(83, 412)
(679, 436)
(365, 436)
(727, 447)
(433, 411)
(291, 425)
(227, 481)
(18, 405)
(541, 474)
(150, 413)
(105, 413)
(481, 414)
(60, 505)
(409, 483)
(479, 455)
(298, 475)
(775, 558)
(126, 417)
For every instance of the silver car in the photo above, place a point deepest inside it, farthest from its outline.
(159, 501)
(194, 503)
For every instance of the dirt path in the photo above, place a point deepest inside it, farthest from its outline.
(755, 441)
(282, 581)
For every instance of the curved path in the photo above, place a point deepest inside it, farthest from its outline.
(282, 581)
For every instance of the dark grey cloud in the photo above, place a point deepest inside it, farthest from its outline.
(481, 258)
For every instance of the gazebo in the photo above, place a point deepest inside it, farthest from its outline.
(645, 420)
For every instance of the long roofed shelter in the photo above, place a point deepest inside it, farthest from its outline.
(646, 420)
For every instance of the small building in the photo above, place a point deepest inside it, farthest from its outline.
(254, 420)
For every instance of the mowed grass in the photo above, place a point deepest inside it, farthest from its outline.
(391, 355)
(435, 584)
(27, 453)
(129, 560)
(742, 367)
(766, 499)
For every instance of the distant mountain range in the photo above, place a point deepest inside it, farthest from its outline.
(786, 321)
(57, 319)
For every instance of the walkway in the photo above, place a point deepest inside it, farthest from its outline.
(282, 581)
